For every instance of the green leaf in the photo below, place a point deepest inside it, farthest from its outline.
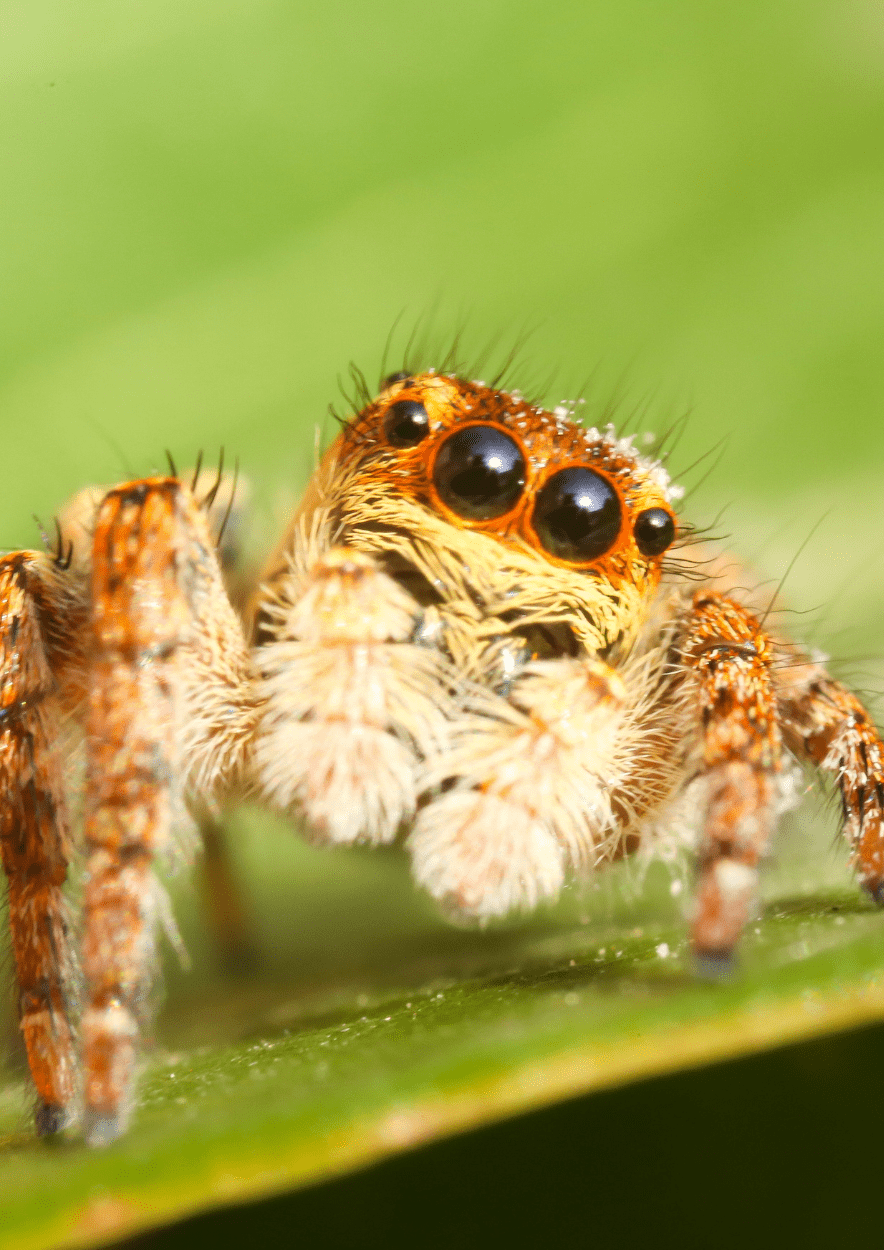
(371, 1028)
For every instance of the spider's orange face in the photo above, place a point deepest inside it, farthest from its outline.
(488, 460)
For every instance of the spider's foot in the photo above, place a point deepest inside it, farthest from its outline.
(715, 966)
(51, 1118)
(875, 890)
(100, 1128)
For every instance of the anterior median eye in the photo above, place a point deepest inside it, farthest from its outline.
(479, 472)
(406, 423)
(654, 531)
(577, 514)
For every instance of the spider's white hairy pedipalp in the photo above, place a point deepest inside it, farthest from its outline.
(485, 653)
(534, 774)
(352, 707)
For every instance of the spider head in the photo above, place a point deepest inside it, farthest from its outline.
(509, 518)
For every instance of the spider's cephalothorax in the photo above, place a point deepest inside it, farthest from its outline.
(470, 637)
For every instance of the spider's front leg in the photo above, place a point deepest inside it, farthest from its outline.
(42, 614)
(732, 660)
(170, 707)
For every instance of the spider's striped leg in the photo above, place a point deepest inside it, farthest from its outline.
(34, 822)
(169, 703)
(353, 707)
(826, 725)
(732, 660)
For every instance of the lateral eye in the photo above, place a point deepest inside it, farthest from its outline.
(654, 531)
(577, 514)
(401, 376)
(406, 423)
(479, 472)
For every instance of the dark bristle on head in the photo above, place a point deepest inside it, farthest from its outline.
(351, 393)
(230, 502)
(336, 416)
(428, 348)
(718, 452)
(61, 556)
(172, 469)
(360, 386)
(511, 360)
(210, 497)
(451, 361)
(196, 471)
(385, 356)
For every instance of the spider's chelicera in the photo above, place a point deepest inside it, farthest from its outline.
(471, 637)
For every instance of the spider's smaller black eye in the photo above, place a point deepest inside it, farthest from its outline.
(406, 423)
(402, 376)
(654, 531)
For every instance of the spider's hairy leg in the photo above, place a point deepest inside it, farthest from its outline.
(169, 706)
(41, 618)
(732, 659)
(528, 794)
(826, 725)
(353, 707)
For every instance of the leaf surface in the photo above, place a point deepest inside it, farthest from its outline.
(372, 1028)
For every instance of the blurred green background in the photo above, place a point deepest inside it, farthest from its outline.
(210, 208)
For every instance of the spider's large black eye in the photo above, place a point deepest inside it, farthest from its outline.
(479, 472)
(406, 423)
(577, 514)
(654, 531)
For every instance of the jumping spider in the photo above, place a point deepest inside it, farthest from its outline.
(470, 631)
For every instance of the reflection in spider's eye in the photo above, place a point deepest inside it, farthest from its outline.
(577, 514)
(479, 472)
(654, 531)
(406, 423)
